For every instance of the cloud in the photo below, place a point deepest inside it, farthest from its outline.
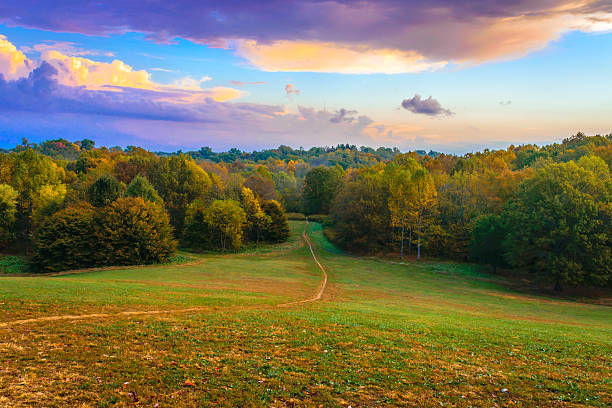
(39, 106)
(241, 83)
(328, 57)
(290, 89)
(505, 103)
(65, 47)
(78, 71)
(368, 36)
(13, 63)
(191, 83)
(429, 106)
(343, 115)
(115, 76)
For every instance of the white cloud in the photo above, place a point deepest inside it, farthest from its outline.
(13, 63)
(75, 71)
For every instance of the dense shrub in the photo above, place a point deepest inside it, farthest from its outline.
(126, 232)
(68, 239)
(132, 231)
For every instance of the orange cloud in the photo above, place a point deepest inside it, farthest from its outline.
(330, 57)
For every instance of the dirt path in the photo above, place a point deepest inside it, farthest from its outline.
(323, 283)
(316, 297)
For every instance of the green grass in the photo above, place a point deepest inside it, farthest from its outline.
(384, 334)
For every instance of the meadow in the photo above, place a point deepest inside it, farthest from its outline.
(227, 330)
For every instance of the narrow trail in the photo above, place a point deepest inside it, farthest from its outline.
(323, 283)
(316, 297)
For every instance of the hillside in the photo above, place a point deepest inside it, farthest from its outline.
(217, 331)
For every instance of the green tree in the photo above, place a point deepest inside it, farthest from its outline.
(289, 191)
(559, 226)
(87, 144)
(140, 187)
(179, 182)
(27, 172)
(360, 212)
(128, 231)
(278, 228)
(132, 231)
(217, 227)
(398, 178)
(412, 199)
(8, 208)
(67, 239)
(105, 190)
(257, 222)
(320, 185)
(488, 235)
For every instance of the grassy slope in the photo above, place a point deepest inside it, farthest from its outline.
(425, 334)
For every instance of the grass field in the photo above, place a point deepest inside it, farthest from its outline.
(383, 334)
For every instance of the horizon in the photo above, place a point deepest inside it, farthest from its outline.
(304, 148)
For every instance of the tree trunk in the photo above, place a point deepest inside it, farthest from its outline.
(410, 242)
(402, 244)
(419, 242)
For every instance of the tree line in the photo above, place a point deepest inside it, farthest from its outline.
(111, 207)
(546, 211)
(540, 209)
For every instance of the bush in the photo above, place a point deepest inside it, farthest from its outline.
(295, 216)
(132, 231)
(129, 231)
(67, 239)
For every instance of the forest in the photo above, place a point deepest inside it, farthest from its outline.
(545, 211)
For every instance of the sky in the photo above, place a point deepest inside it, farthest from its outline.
(449, 75)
